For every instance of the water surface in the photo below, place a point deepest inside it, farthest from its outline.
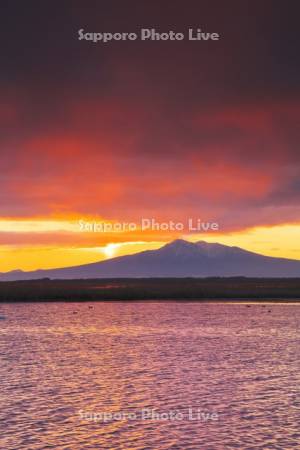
(63, 363)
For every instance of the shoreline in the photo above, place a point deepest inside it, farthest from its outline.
(233, 301)
(238, 289)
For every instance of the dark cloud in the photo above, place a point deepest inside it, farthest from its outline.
(126, 128)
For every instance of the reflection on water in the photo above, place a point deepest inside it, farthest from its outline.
(59, 368)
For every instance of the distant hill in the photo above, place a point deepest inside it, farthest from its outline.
(176, 259)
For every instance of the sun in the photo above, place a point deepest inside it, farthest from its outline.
(110, 250)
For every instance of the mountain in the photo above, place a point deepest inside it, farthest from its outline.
(176, 259)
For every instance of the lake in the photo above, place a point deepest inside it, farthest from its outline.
(149, 375)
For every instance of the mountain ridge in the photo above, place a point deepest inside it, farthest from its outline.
(178, 258)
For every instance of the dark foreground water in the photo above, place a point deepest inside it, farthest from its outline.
(149, 375)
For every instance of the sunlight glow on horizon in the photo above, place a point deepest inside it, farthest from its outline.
(26, 258)
(277, 241)
(280, 241)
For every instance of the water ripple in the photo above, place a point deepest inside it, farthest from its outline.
(59, 369)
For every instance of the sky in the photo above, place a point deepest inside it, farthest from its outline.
(170, 130)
